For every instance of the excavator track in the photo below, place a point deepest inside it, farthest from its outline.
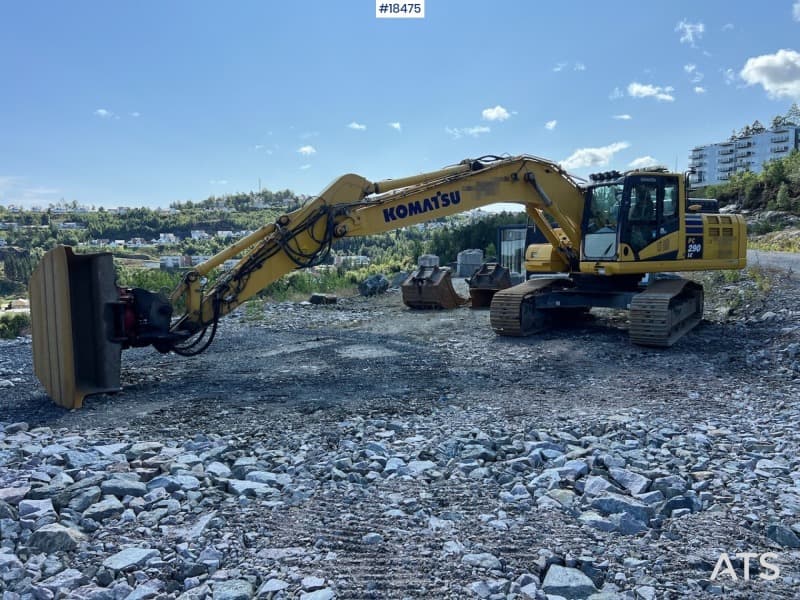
(665, 312)
(513, 310)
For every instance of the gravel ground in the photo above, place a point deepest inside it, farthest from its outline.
(362, 450)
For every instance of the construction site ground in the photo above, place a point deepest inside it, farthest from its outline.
(320, 383)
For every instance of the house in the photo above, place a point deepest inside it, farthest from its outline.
(170, 262)
(167, 238)
(198, 234)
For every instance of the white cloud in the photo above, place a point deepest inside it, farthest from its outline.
(103, 113)
(622, 117)
(136, 114)
(576, 66)
(304, 167)
(357, 126)
(218, 182)
(729, 26)
(498, 113)
(778, 74)
(691, 70)
(459, 132)
(593, 157)
(616, 94)
(643, 161)
(690, 32)
(641, 90)
(796, 11)
(551, 125)
(307, 134)
(699, 89)
(396, 126)
(307, 150)
(729, 76)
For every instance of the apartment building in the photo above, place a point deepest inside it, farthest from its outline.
(715, 163)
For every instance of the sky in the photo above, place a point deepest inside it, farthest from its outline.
(146, 103)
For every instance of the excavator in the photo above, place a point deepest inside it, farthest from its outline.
(612, 242)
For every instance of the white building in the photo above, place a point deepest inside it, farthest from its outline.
(715, 163)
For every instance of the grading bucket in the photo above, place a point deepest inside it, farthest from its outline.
(72, 354)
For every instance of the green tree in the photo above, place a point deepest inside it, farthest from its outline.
(782, 201)
(792, 115)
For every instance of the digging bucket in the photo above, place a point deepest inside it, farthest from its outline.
(489, 279)
(72, 355)
(430, 288)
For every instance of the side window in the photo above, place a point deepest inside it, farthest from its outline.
(669, 213)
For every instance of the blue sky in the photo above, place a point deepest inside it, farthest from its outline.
(144, 103)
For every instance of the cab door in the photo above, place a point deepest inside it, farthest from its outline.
(649, 216)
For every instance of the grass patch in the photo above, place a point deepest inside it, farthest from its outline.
(13, 325)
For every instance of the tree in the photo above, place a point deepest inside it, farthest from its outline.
(782, 202)
(793, 115)
(757, 127)
(778, 121)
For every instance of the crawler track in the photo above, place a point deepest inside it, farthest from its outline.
(665, 312)
(514, 312)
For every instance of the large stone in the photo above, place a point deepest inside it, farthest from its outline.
(78, 460)
(55, 538)
(218, 470)
(420, 466)
(120, 487)
(375, 284)
(143, 450)
(105, 509)
(483, 560)
(671, 485)
(271, 586)
(130, 558)
(633, 482)
(233, 589)
(66, 580)
(567, 582)
(250, 488)
(593, 519)
(7, 511)
(312, 583)
(173, 483)
(610, 503)
(596, 485)
(13, 495)
(323, 594)
(36, 509)
(8, 561)
(83, 499)
(783, 536)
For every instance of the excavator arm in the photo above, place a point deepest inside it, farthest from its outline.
(353, 206)
(81, 321)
